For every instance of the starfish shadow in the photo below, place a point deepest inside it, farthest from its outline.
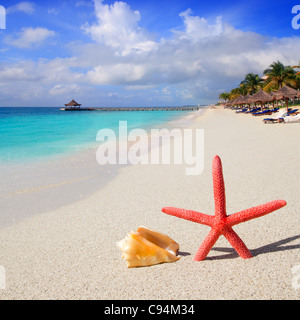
(231, 254)
(277, 246)
(272, 247)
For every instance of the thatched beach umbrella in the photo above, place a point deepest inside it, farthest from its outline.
(272, 95)
(262, 97)
(246, 100)
(238, 100)
(228, 103)
(286, 93)
(73, 103)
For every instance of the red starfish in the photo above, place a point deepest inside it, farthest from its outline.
(220, 222)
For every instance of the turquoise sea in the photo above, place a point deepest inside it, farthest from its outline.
(29, 133)
(47, 156)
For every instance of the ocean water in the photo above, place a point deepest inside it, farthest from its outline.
(47, 156)
(28, 134)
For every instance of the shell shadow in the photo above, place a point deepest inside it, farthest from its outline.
(183, 253)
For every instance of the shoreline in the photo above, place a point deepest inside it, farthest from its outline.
(70, 253)
(43, 186)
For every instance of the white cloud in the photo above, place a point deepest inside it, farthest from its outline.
(44, 72)
(29, 37)
(166, 91)
(118, 74)
(63, 89)
(197, 28)
(199, 52)
(118, 27)
(24, 6)
(191, 66)
(17, 73)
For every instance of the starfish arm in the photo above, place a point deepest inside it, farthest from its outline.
(219, 188)
(207, 244)
(190, 215)
(254, 212)
(238, 244)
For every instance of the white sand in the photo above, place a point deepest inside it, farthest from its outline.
(70, 253)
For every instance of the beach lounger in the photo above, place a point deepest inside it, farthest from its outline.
(241, 111)
(265, 112)
(292, 112)
(276, 118)
(292, 119)
(281, 118)
(254, 110)
(275, 110)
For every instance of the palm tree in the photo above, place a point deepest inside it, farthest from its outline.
(236, 92)
(297, 75)
(252, 82)
(243, 89)
(279, 75)
(224, 96)
(297, 67)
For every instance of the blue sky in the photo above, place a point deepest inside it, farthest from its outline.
(138, 53)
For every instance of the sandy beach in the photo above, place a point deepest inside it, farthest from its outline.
(70, 252)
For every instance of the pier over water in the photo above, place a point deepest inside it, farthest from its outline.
(186, 108)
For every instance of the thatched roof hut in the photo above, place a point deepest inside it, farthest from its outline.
(261, 96)
(272, 94)
(73, 103)
(241, 100)
(286, 93)
(247, 99)
(237, 100)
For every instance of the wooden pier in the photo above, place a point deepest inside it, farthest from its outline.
(185, 108)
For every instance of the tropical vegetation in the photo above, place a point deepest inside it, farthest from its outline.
(275, 77)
